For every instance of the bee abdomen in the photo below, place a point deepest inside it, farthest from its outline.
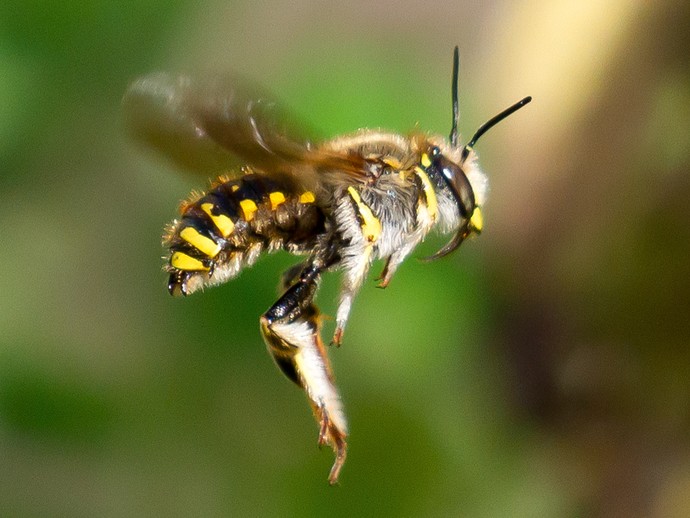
(230, 226)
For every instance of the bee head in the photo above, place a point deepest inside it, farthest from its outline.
(454, 174)
(452, 177)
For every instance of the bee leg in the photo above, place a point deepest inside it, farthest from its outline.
(291, 275)
(360, 231)
(392, 262)
(343, 313)
(291, 329)
(350, 289)
(337, 336)
(353, 277)
(386, 274)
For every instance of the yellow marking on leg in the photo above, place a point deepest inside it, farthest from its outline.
(307, 197)
(248, 209)
(202, 243)
(429, 193)
(425, 160)
(276, 198)
(371, 226)
(222, 222)
(477, 220)
(187, 263)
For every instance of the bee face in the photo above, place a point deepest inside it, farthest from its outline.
(341, 204)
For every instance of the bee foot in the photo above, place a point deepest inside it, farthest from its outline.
(329, 433)
(337, 336)
(384, 282)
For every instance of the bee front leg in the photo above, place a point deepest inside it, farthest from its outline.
(291, 329)
(386, 274)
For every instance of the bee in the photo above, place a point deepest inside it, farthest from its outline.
(340, 204)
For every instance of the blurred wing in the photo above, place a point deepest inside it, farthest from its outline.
(212, 125)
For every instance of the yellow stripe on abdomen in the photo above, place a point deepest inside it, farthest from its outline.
(202, 243)
(222, 222)
(249, 208)
(277, 198)
(307, 197)
(187, 263)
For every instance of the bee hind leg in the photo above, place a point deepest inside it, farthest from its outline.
(291, 329)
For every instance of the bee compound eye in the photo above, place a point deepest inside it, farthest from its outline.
(458, 183)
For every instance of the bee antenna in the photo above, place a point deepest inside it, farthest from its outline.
(491, 123)
(454, 93)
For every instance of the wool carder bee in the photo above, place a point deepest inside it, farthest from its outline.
(341, 204)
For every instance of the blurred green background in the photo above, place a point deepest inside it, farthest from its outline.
(543, 370)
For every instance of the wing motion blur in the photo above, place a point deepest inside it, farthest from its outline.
(210, 126)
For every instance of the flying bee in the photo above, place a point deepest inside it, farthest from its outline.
(341, 204)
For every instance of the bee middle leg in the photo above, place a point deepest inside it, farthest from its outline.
(291, 329)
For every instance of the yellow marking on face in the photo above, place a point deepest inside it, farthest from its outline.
(429, 193)
(477, 220)
(371, 226)
(276, 198)
(202, 243)
(248, 209)
(425, 160)
(235, 188)
(222, 222)
(187, 263)
(307, 197)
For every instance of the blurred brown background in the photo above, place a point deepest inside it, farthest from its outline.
(543, 370)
